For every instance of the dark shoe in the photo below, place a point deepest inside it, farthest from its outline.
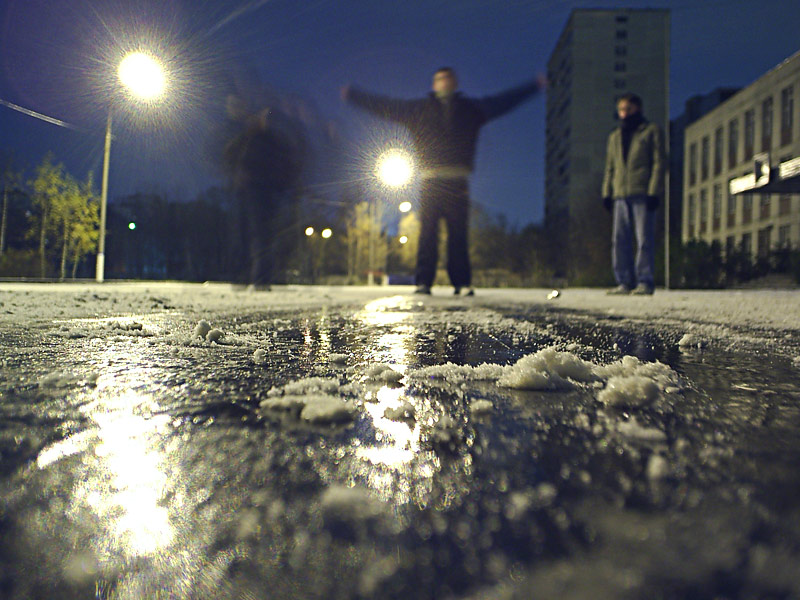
(469, 292)
(642, 290)
(423, 289)
(620, 290)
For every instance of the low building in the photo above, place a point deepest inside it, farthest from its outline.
(732, 154)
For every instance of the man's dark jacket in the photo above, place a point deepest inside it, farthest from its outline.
(444, 135)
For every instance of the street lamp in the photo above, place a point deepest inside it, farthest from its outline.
(143, 76)
(394, 169)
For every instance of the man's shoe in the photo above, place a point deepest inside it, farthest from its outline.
(642, 290)
(423, 289)
(469, 292)
(620, 290)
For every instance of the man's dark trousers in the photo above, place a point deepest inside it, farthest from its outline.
(448, 199)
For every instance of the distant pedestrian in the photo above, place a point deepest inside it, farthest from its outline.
(633, 185)
(444, 127)
(264, 157)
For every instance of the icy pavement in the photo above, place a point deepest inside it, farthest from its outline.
(193, 441)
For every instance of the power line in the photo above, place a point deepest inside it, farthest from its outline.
(37, 115)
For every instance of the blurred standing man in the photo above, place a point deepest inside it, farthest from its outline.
(444, 127)
(632, 188)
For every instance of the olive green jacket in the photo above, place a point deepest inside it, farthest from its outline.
(643, 172)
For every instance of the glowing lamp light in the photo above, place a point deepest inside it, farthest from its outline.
(326, 233)
(405, 207)
(309, 231)
(131, 225)
(394, 168)
(143, 75)
(403, 239)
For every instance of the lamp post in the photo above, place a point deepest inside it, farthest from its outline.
(394, 169)
(144, 77)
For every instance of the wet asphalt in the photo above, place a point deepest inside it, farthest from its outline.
(137, 464)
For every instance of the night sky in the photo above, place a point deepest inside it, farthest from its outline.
(57, 57)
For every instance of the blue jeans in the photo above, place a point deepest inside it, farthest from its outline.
(631, 218)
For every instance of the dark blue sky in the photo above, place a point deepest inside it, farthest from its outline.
(55, 58)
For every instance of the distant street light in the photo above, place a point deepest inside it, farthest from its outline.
(403, 239)
(131, 225)
(144, 77)
(326, 233)
(309, 231)
(405, 206)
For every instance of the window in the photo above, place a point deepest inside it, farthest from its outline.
(703, 211)
(690, 216)
(730, 245)
(717, 207)
(704, 152)
(622, 34)
(784, 233)
(621, 51)
(764, 206)
(766, 125)
(619, 84)
(733, 142)
(718, 151)
(622, 19)
(784, 205)
(764, 240)
(747, 244)
(619, 67)
(692, 164)
(749, 134)
(731, 207)
(787, 115)
(747, 208)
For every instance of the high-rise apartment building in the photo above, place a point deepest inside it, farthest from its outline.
(600, 55)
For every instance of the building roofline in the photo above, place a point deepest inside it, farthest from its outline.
(745, 88)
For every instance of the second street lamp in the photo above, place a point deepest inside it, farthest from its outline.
(143, 76)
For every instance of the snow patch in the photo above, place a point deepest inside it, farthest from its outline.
(633, 430)
(480, 407)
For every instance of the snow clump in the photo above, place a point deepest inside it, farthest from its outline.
(547, 369)
(453, 373)
(404, 412)
(313, 408)
(215, 336)
(260, 357)
(480, 407)
(338, 359)
(382, 373)
(690, 340)
(309, 385)
(633, 430)
(632, 392)
(201, 329)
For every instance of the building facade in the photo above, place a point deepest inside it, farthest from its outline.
(760, 120)
(600, 55)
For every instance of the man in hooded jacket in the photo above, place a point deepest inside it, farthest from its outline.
(633, 185)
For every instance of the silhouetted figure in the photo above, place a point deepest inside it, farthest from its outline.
(264, 157)
(444, 127)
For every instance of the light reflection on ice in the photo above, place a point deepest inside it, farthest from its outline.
(124, 480)
(401, 438)
(388, 464)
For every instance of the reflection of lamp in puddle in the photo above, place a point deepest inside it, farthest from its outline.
(129, 482)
